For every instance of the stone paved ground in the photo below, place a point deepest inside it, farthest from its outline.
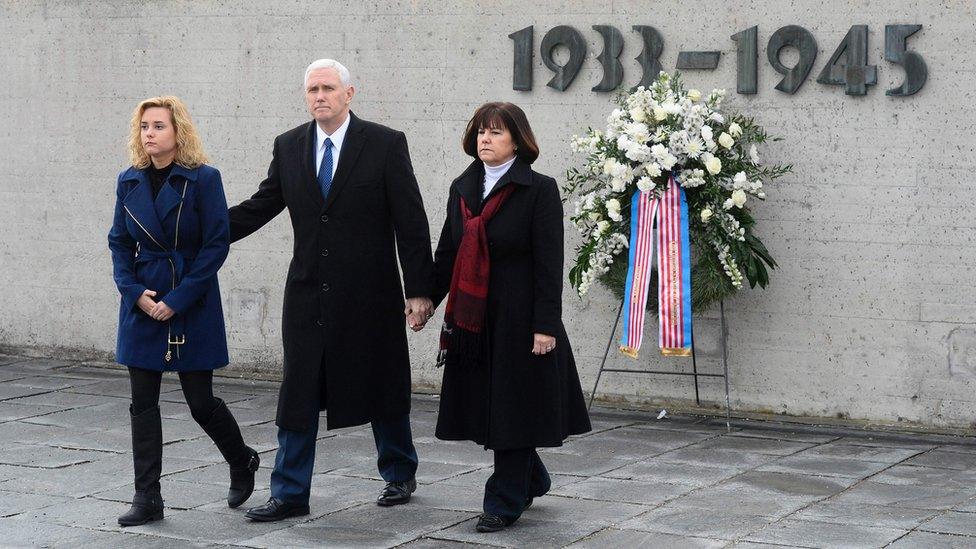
(65, 474)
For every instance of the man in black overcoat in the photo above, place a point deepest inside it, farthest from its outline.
(354, 205)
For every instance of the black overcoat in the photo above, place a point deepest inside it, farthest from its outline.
(512, 398)
(343, 327)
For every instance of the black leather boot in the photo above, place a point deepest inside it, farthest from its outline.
(243, 460)
(147, 461)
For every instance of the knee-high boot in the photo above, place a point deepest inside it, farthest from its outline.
(147, 461)
(243, 460)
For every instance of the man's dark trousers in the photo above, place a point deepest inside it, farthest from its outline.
(291, 479)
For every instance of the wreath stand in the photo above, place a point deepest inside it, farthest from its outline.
(694, 365)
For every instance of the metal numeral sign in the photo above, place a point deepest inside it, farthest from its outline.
(848, 66)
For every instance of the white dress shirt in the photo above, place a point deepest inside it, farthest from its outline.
(493, 174)
(337, 137)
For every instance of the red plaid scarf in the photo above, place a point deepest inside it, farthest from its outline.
(464, 317)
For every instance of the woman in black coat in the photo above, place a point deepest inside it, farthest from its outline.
(510, 381)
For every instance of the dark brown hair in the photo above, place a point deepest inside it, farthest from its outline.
(502, 115)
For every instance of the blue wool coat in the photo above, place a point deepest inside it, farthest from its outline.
(181, 267)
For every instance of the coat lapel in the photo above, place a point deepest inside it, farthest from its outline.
(171, 194)
(306, 146)
(139, 205)
(469, 186)
(352, 144)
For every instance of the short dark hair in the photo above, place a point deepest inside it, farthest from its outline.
(502, 115)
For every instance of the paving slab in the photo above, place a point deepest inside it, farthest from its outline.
(29, 533)
(929, 540)
(952, 522)
(44, 457)
(625, 491)
(727, 524)
(865, 514)
(848, 450)
(677, 473)
(612, 537)
(825, 466)
(528, 532)
(905, 495)
(945, 460)
(206, 527)
(14, 503)
(792, 436)
(823, 534)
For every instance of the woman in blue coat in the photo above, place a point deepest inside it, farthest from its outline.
(169, 237)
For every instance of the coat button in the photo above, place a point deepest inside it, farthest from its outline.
(325, 253)
(320, 322)
(325, 218)
(325, 287)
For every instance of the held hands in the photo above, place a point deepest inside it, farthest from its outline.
(162, 312)
(418, 311)
(156, 309)
(542, 344)
(146, 302)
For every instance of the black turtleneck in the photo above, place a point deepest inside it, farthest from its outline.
(157, 176)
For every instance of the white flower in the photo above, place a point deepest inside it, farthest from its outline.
(726, 140)
(617, 185)
(653, 169)
(738, 197)
(668, 161)
(713, 164)
(609, 165)
(694, 95)
(613, 209)
(645, 184)
(692, 178)
(754, 154)
(705, 214)
(595, 216)
(638, 114)
(735, 130)
(706, 133)
(660, 114)
(739, 180)
(728, 204)
(694, 147)
(716, 117)
(602, 226)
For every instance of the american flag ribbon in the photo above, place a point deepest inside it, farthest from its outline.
(674, 272)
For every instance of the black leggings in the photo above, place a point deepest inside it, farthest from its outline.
(197, 389)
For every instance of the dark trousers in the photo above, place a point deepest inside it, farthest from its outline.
(291, 479)
(197, 389)
(519, 475)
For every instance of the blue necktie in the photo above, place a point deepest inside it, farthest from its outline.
(325, 169)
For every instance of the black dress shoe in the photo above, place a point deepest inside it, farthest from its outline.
(528, 503)
(490, 523)
(276, 509)
(396, 493)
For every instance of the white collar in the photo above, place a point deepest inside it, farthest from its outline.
(337, 136)
(495, 173)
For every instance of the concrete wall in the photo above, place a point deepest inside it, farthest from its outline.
(871, 315)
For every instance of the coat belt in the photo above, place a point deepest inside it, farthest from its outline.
(178, 262)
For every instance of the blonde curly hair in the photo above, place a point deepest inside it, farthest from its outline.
(189, 147)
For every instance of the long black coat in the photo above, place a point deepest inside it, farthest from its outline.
(343, 327)
(512, 398)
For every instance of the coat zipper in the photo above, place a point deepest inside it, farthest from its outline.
(176, 240)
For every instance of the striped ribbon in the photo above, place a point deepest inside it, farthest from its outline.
(674, 272)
